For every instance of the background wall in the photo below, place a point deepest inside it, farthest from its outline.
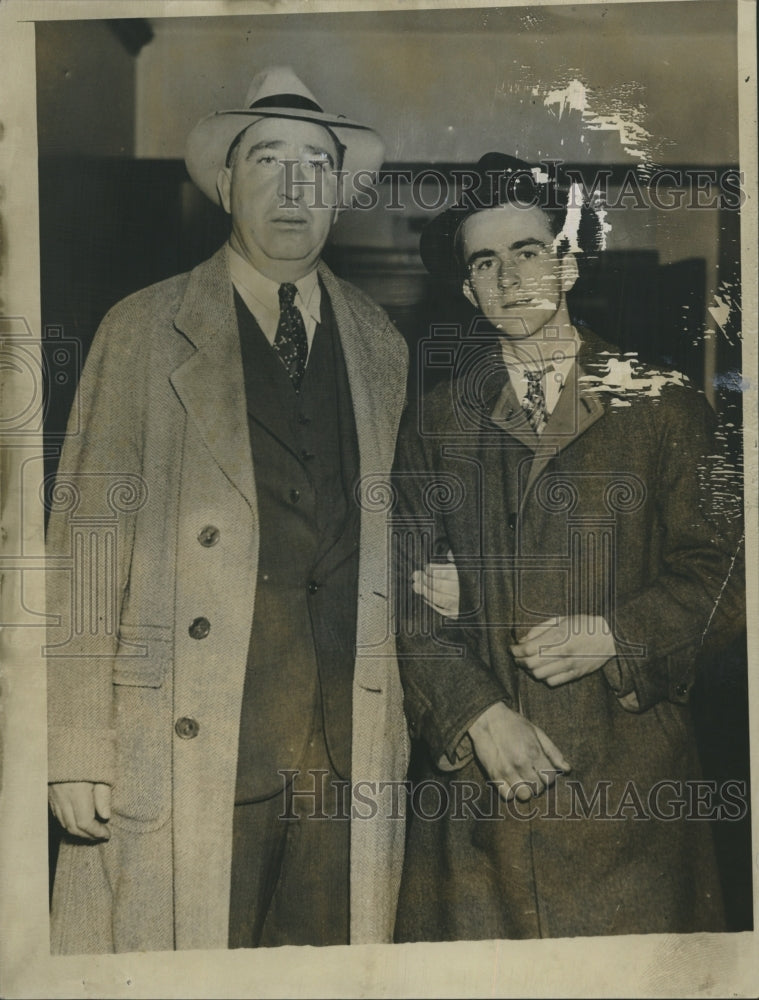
(449, 85)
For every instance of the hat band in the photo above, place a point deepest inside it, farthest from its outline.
(287, 101)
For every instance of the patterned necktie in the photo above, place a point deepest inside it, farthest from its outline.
(534, 402)
(290, 342)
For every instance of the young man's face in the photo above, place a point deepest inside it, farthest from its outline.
(276, 224)
(514, 276)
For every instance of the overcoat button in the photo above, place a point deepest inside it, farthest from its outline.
(208, 536)
(294, 496)
(303, 419)
(681, 690)
(313, 587)
(306, 455)
(186, 728)
(512, 522)
(200, 628)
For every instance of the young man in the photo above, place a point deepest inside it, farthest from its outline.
(571, 489)
(218, 574)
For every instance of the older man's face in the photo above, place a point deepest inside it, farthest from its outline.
(277, 222)
(513, 273)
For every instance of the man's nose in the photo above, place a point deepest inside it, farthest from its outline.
(293, 176)
(508, 274)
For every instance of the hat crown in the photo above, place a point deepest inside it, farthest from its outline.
(278, 81)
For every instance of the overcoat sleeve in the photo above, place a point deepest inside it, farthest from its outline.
(97, 491)
(446, 683)
(695, 598)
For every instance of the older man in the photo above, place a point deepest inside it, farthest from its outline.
(573, 488)
(234, 672)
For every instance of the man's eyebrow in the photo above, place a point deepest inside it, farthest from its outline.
(530, 241)
(478, 254)
(264, 144)
(318, 149)
(280, 143)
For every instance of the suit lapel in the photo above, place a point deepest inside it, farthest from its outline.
(210, 382)
(510, 417)
(267, 384)
(577, 409)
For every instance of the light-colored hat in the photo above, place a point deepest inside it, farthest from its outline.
(275, 92)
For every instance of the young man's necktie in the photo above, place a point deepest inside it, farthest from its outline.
(290, 341)
(534, 402)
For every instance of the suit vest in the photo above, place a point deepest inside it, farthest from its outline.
(302, 646)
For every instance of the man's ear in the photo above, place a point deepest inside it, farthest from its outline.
(569, 272)
(224, 188)
(466, 288)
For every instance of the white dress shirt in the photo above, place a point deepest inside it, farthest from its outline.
(261, 296)
(555, 354)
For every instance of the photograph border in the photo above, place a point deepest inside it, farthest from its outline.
(646, 965)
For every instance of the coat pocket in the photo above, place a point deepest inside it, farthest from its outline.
(141, 796)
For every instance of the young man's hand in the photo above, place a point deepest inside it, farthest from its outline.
(438, 585)
(515, 753)
(565, 650)
(82, 808)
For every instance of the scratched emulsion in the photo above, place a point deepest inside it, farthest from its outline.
(608, 125)
(617, 111)
(725, 310)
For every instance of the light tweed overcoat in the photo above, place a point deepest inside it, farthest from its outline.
(157, 451)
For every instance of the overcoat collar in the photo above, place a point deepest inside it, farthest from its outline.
(210, 382)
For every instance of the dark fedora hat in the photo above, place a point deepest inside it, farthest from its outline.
(499, 179)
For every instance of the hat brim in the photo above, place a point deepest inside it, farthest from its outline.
(209, 142)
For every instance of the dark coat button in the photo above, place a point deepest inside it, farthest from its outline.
(313, 587)
(512, 522)
(200, 628)
(306, 455)
(209, 536)
(294, 496)
(681, 690)
(303, 419)
(186, 728)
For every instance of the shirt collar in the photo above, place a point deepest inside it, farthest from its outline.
(266, 292)
(532, 353)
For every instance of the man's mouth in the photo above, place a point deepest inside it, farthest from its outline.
(290, 219)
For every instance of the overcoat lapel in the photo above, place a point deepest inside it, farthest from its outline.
(210, 382)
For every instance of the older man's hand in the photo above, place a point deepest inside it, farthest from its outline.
(565, 650)
(82, 808)
(515, 754)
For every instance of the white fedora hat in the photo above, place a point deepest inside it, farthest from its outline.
(275, 92)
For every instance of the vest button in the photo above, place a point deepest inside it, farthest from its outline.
(209, 536)
(186, 728)
(199, 628)
(313, 587)
(294, 496)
